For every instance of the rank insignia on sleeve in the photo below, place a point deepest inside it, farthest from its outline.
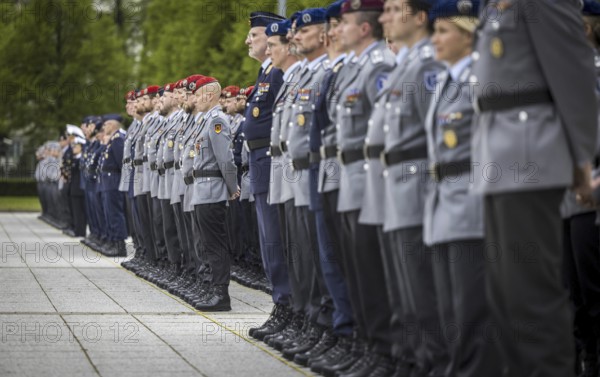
(218, 128)
(255, 112)
(430, 78)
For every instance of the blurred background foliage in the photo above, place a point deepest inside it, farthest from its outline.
(63, 59)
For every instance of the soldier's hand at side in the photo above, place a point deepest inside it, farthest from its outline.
(236, 194)
(582, 185)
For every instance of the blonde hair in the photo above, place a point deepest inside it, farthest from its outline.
(466, 23)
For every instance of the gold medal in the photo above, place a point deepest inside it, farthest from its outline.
(255, 112)
(450, 138)
(170, 143)
(300, 119)
(497, 47)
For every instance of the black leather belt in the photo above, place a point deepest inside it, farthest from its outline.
(301, 163)
(397, 156)
(275, 151)
(110, 170)
(328, 151)
(509, 101)
(314, 157)
(126, 160)
(258, 143)
(207, 174)
(177, 166)
(245, 168)
(440, 171)
(137, 162)
(153, 166)
(145, 159)
(372, 151)
(283, 146)
(349, 156)
(169, 165)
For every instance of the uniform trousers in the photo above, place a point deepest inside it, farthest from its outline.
(211, 220)
(158, 232)
(101, 208)
(187, 249)
(170, 232)
(525, 294)
(79, 214)
(271, 249)
(145, 226)
(114, 207)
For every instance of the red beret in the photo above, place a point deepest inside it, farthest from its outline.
(179, 84)
(204, 80)
(185, 83)
(170, 87)
(248, 91)
(362, 5)
(231, 91)
(151, 90)
(130, 96)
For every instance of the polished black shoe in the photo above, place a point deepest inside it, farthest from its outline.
(324, 344)
(121, 249)
(310, 339)
(362, 367)
(357, 351)
(216, 301)
(403, 369)
(292, 331)
(280, 315)
(334, 356)
(386, 367)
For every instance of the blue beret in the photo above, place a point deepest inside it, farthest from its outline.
(87, 119)
(334, 10)
(295, 16)
(454, 8)
(98, 122)
(264, 18)
(278, 28)
(116, 117)
(311, 16)
(591, 8)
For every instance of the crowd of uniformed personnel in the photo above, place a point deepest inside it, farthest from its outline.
(411, 180)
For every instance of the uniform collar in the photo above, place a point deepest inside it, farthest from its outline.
(459, 67)
(266, 64)
(197, 116)
(349, 57)
(288, 72)
(313, 64)
(337, 60)
(369, 49)
(401, 55)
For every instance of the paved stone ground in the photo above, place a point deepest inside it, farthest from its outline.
(65, 310)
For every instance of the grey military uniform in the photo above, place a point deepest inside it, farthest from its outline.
(407, 181)
(357, 101)
(127, 163)
(152, 153)
(215, 173)
(245, 192)
(178, 186)
(186, 161)
(139, 142)
(281, 117)
(451, 212)
(165, 156)
(508, 144)
(329, 167)
(309, 87)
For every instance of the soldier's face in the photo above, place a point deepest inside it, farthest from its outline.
(351, 32)
(230, 106)
(403, 21)
(290, 37)
(309, 39)
(257, 42)
(277, 51)
(451, 42)
(240, 104)
(333, 33)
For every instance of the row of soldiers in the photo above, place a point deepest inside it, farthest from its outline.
(408, 164)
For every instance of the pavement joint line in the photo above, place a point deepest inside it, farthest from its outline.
(171, 347)
(87, 356)
(223, 326)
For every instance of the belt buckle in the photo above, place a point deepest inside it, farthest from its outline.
(340, 156)
(434, 171)
(383, 159)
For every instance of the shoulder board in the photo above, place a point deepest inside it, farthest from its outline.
(116, 135)
(376, 56)
(426, 52)
(338, 66)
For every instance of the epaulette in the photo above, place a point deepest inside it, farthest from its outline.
(337, 67)
(426, 52)
(376, 56)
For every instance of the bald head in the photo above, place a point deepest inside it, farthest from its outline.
(208, 96)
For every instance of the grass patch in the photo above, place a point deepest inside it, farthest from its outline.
(19, 204)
